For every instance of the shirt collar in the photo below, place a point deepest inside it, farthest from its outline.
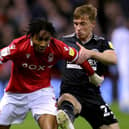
(31, 42)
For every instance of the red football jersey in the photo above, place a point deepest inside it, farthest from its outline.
(31, 70)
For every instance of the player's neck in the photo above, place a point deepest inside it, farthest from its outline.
(87, 39)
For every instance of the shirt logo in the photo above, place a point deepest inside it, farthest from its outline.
(33, 67)
(73, 66)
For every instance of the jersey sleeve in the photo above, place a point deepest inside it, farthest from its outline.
(8, 53)
(66, 52)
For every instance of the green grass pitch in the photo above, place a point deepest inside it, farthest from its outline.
(80, 123)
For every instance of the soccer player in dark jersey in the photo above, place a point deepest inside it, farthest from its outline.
(29, 89)
(78, 96)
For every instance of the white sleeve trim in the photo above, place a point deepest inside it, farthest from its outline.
(1, 62)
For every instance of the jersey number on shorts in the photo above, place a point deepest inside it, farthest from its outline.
(105, 108)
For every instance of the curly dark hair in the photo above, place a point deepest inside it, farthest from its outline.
(38, 24)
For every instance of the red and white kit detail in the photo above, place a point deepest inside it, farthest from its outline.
(31, 70)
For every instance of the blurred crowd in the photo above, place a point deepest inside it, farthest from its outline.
(112, 20)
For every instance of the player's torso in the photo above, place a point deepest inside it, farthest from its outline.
(28, 61)
(31, 70)
(73, 74)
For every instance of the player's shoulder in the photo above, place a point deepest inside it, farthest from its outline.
(103, 41)
(56, 43)
(68, 37)
(20, 39)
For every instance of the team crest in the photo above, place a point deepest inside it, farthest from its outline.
(27, 56)
(50, 57)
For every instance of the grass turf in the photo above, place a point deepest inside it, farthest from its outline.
(80, 123)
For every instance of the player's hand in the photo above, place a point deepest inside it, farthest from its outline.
(84, 54)
(96, 79)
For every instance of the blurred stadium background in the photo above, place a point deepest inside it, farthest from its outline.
(112, 15)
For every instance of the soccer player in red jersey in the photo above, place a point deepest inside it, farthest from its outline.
(29, 89)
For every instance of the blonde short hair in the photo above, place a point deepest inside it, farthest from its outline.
(85, 10)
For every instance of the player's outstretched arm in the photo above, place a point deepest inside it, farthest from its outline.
(94, 78)
(73, 56)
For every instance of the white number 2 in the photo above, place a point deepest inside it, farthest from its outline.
(105, 110)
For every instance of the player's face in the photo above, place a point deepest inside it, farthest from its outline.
(41, 41)
(83, 27)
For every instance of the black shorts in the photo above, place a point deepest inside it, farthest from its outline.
(96, 113)
(94, 109)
